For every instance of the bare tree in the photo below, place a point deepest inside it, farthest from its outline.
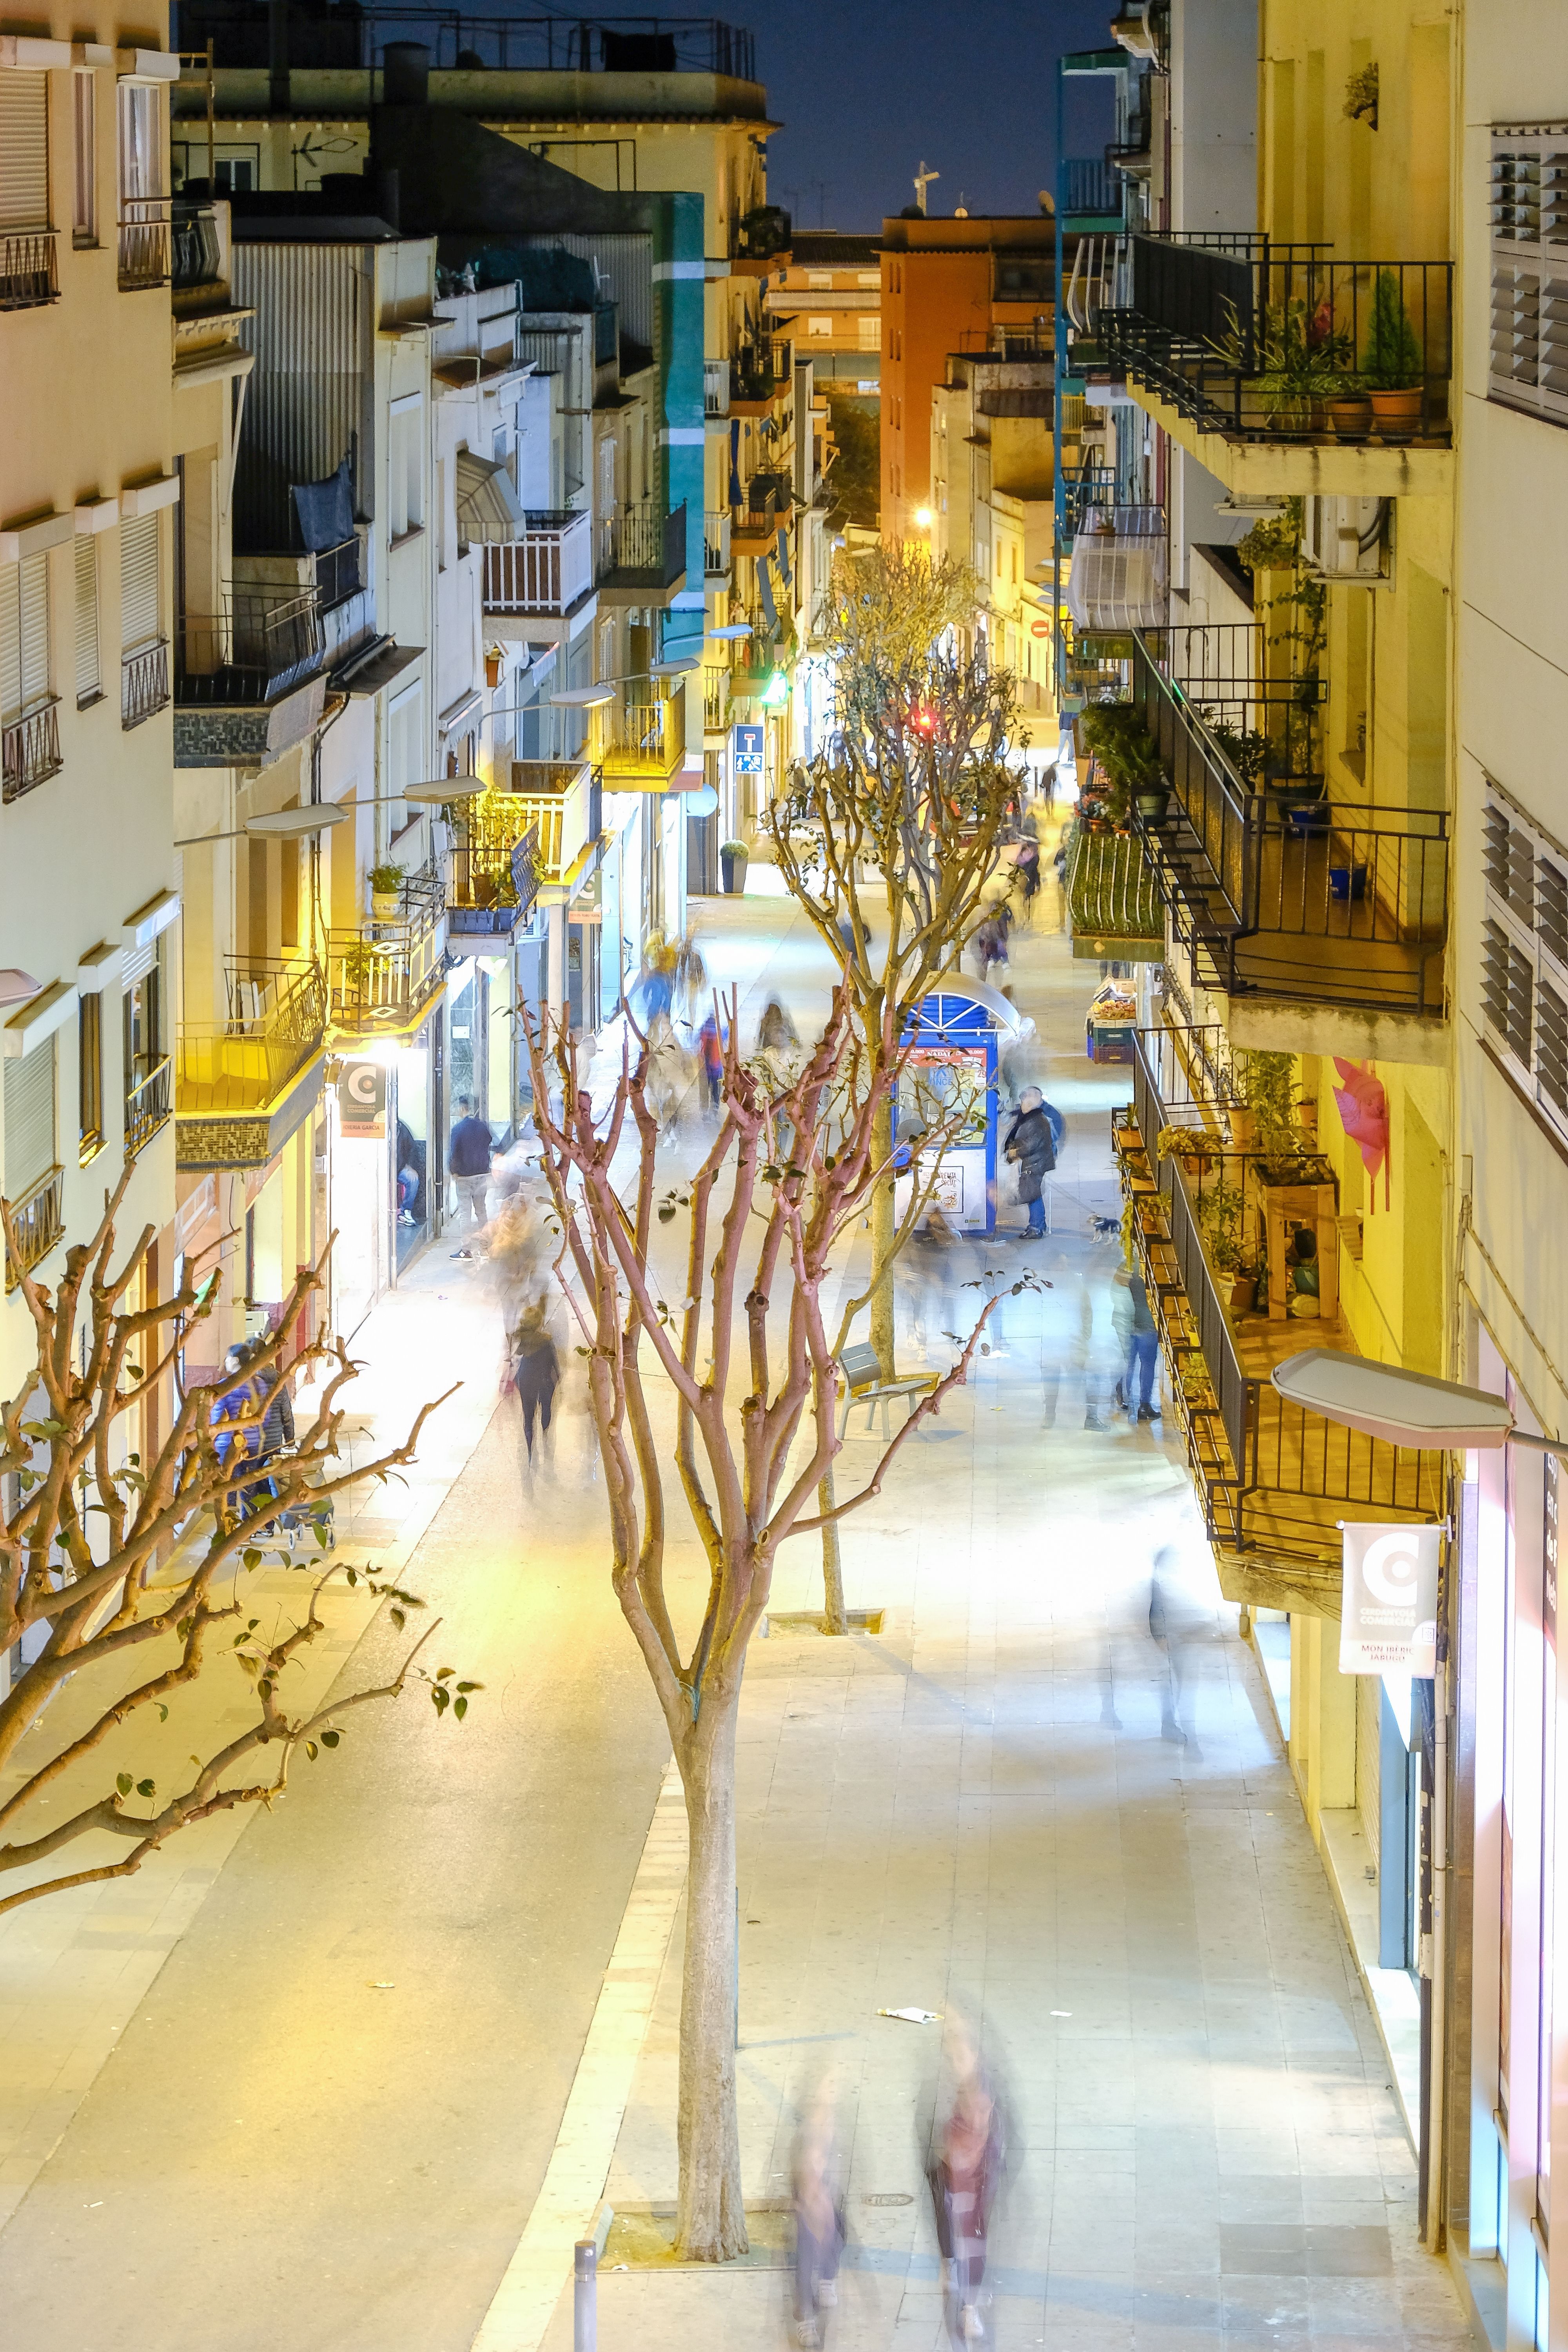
(888, 841)
(87, 1522)
(786, 1174)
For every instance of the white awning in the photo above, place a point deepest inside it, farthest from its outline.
(487, 506)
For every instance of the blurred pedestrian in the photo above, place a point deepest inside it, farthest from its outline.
(1027, 867)
(237, 1417)
(989, 938)
(468, 1160)
(711, 1042)
(818, 2200)
(1030, 1142)
(1173, 1623)
(1143, 1354)
(968, 2160)
(535, 1372)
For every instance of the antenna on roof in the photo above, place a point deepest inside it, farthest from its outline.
(924, 179)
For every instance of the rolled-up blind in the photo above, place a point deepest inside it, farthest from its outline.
(139, 582)
(24, 151)
(88, 681)
(29, 1118)
(24, 633)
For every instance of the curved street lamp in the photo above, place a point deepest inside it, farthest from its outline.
(1404, 1408)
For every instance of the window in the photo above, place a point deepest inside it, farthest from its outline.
(140, 155)
(24, 635)
(405, 728)
(234, 172)
(1524, 954)
(870, 330)
(139, 599)
(819, 277)
(869, 277)
(818, 325)
(142, 1005)
(1552, 1045)
(89, 1076)
(29, 1120)
(405, 467)
(88, 681)
(24, 152)
(1530, 271)
(84, 127)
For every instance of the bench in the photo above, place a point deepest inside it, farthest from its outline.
(864, 1384)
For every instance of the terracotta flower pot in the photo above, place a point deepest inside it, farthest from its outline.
(1243, 1127)
(1351, 416)
(1396, 415)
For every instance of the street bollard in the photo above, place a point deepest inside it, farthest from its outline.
(585, 2297)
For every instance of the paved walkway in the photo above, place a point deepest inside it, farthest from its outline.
(329, 2121)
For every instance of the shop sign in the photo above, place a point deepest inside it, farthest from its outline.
(746, 750)
(362, 1101)
(1388, 1619)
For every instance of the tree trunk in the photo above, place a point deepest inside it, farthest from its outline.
(883, 1228)
(833, 1618)
(710, 2225)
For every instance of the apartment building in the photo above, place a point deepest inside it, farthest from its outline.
(992, 505)
(89, 884)
(828, 294)
(663, 144)
(964, 284)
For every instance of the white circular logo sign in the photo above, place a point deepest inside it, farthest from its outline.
(1389, 1570)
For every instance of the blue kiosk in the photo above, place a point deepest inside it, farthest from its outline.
(954, 1043)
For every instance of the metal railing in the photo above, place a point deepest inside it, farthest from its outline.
(144, 683)
(715, 387)
(643, 539)
(1181, 1077)
(29, 273)
(553, 44)
(1280, 888)
(1255, 340)
(760, 371)
(38, 1218)
(145, 242)
(259, 649)
(547, 569)
(30, 749)
(716, 544)
(380, 974)
(1089, 185)
(196, 247)
(338, 571)
(495, 873)
(278, 1019)
(645, 737)
(149, 1101)
(1210, 1319)
(715, 698)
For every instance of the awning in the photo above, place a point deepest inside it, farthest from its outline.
(487, 506)
(369, 675)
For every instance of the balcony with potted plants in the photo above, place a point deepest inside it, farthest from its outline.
(1231, 1213)
(1323, 921)
(243, 1085)
(1286, 371)
(382, 973)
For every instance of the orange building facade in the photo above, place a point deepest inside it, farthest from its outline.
(950, 285)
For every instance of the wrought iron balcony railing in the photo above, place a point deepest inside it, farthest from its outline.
(338, 571)
(760, 373)
(28, 275)
(259, 648)
(715, 697)
(277, 1021)
(144, 683)
(196, 247)
(1089, 188)
(145, 242)
(380, 975)
(1270, 884)
(716, 544)
(38, 1219)
(1255, 340)
(640, 743)
(30, 749)
(644, 541)
(149, 1100)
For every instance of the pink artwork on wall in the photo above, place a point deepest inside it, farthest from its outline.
(1363, 1114)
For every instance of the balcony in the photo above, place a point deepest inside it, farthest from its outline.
(28, 276)
(1287, 372)
(381, 977)
(37, 1219)
(642, 553)
(1089, 193)
(143, 684)
(715, 698)
(196, 262)
(145, 229)
(243, 1087)
(496, 859)
(1209, 1221)
(639, 741)
(30, 749)
(251, 683)
(760, 376)
(329, 577)
(770, 502)
(716, 557)
(149, 1100)
(715, 387)
(547, 570)
(1277, 892)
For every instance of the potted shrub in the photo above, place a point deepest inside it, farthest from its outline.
(494, 660)
(1128, 758)
(1350, 412)
(1392, 367)
(733, 860)
(385, 892)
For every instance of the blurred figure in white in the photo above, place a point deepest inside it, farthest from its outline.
(817, 2192)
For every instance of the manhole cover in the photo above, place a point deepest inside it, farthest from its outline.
(889, 2197)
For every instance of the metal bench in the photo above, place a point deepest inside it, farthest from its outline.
(864, 1384)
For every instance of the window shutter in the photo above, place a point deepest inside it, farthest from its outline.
(1552, 1045)
(1528, 364)
(88, 678)
(34, 634)
(29, 1119)
(84, 124)
(24, 151)
(10, 640)
(138, 582)
(136, 964)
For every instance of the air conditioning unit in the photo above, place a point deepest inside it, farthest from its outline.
(1349, 538)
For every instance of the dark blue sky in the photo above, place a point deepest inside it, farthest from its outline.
(866, 89)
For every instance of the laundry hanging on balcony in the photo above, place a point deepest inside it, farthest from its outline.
(325, 510)
(765, 591)
(737, 495)
(1120, 570)
(487, 506)
(783, 554)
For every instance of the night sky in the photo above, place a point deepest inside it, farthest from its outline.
(866, 90)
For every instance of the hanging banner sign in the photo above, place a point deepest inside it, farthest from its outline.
(362, 1101)
(1388, 1621)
